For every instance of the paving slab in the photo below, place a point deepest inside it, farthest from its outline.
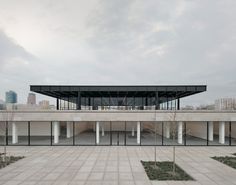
(111, 165)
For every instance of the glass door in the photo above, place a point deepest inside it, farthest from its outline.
(118, 133)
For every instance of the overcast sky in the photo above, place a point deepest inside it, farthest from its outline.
(119, 42)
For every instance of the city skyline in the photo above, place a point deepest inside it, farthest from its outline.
(159, 42)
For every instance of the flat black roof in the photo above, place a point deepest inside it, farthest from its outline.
(60, 91)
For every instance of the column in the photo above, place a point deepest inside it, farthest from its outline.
(180, 132)
(57, 104)
(167, 129)
(97, 132)
(56, 130)
(178, 104)
(222, 132)
(210, 130)
(157, 106)
(78, 101)
(132, 130)
(14, 133)
(68, 129)
(103, 130)
(138, 132)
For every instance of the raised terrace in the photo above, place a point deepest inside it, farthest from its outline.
(106, 127)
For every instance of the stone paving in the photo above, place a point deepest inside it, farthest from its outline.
(111, 165)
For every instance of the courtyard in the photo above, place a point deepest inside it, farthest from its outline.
(113, 165)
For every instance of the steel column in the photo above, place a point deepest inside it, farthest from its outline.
(78, 103)
(51, 133)
(73, 133)
(178, 104)
(29, 133)
(162, 132)
(57, 104)
(157, 101)
(207, 133)
(230, 133)
(6, 132)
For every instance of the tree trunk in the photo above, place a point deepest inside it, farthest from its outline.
(174, 160)
(5, 145)
(156, 144)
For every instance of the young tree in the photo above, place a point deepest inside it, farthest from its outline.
(6, 116)
(3, 126)
(152, 129)
(173, 128)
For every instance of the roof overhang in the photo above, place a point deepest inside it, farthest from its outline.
(65, 91)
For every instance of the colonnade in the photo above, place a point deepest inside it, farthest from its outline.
(167, 131)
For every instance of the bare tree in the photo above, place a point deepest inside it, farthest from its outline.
(6, 116)
(152, 130)
(3, 127)
(173, 128)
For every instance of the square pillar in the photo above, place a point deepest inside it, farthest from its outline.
(97, 132)
(180, 132)
(68, 129)
(222, 132)
(132, 132)
(14, 133)
(210, 131)
(103, 133)
(167, 130)
(138, 132)
(56, 131)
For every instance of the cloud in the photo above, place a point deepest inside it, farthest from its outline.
(167, 42)
(12, 54)
(121, 42)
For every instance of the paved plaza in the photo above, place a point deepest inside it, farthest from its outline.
(108, 165)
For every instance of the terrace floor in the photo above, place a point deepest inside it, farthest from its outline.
(112, 165)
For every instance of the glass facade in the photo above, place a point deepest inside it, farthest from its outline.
(220, 133)
(233, 133)
(84, 133)
(40, 133)
(196, 133)
(2, 133)
(151, 133)
(119, 133)
(118, 103)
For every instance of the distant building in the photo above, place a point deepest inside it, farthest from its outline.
(2, 105)
(206, 107)
(11, 97)
(28, 107)
(31, 100)
(225, 104)
(188, 107)
(44, 104)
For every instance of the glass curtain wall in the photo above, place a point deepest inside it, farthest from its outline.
(172, 134)
(118, 133)
(196, 133)
(220, 133)
(20, 130)
(65, 133)
(122, 101)
(104, 133)
(2, 133)
(151, 133)
(131, 133)
(233, 133)
(85, 133)
(40, 133)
